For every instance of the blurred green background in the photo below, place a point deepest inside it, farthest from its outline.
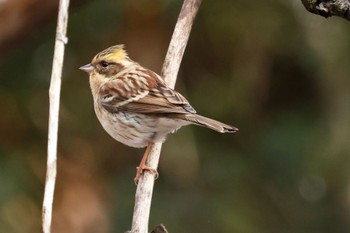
(277, 72)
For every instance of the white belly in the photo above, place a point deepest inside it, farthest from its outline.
(137, 130)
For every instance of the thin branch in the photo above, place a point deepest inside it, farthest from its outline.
(328, 8)
(170, 70)
(54, 97)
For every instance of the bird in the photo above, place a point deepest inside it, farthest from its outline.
(136, 106)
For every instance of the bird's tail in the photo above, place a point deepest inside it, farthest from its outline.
(210, 123)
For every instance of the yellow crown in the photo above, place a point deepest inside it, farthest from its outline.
(115, 53)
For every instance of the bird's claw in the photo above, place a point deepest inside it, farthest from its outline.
(141, 169)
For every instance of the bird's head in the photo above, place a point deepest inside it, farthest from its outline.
(108, 63)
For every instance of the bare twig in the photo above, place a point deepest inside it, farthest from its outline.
(54, 97)
(171, 66)
(328, 8)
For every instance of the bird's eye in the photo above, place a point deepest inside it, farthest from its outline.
(104, 64)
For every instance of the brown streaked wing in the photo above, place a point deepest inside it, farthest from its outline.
(117, 91)
(156, 104)
(140, 94)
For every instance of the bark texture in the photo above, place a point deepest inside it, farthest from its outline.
(328, 8)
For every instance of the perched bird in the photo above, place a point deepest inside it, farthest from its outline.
(134, 104)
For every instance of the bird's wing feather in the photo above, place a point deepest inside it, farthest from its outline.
(134, 93)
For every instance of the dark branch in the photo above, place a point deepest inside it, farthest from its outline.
(160, 229)
(328, 8)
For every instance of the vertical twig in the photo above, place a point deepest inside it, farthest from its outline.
(170, 70)
(54, 97)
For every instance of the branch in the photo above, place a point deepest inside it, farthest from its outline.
(160, 229)
(170, 70)
(54, 97)
(328, 8)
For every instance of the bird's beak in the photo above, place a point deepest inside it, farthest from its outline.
(87, 68)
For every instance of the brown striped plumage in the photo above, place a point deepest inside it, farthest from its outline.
(134, 105)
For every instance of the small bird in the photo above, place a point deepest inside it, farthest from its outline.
(135, 106)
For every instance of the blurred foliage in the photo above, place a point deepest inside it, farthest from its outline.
(275, 71)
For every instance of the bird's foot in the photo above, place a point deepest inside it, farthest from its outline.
(140, 170)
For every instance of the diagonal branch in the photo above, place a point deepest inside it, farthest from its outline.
(54, 97)
(170, 70)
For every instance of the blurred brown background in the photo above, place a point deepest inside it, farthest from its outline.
(272, 69)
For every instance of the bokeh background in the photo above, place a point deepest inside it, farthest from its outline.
(272, 69)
